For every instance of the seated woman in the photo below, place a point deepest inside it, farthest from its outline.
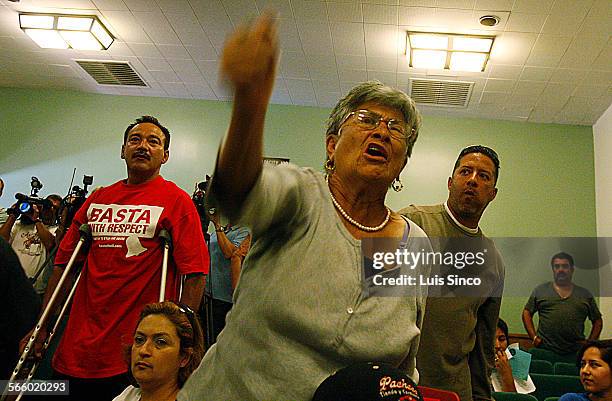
(168, 345)
(595, 373)
(502, 377)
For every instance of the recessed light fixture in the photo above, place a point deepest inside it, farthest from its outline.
(448, 51)
(61, 31)
(489, 20)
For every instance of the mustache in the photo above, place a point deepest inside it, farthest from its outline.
(141, 154)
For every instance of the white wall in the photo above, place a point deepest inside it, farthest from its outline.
(602, 141)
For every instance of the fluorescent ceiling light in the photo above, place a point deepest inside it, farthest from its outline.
(74, 23)
(428, 58)
(81, 40)
(61, 31)
(461, 61)
(47, 38)
(448, 51)
(429, 42)
(35, 21)
(472, 44)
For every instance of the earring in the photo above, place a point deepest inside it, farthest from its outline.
(397, 185)
(329, 167)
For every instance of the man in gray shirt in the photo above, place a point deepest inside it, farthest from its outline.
(563, 308)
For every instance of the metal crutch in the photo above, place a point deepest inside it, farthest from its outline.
(85, 233)
(167, 240)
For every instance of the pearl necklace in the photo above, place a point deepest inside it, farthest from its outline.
(353, 221)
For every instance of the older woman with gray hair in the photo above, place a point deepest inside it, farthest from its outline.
(300, 312)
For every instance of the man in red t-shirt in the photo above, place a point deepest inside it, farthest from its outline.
(122, 269)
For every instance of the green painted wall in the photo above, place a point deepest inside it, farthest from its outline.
(546, 185)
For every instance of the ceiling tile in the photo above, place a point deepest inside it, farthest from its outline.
(494, 97)
(126, 26)
(386, 2)
(344, 12)
(327, 99)
(281, 7)
(532, 6)
(288, 31)
(598, 78)
(164, 76)
(521, 22)
(183, 65)
(301, 91)
(505, 71)
(555, 95)
(348, 38)
(205, 52)
(316, 37)
(529, 89)
(453, 18)
(145, 50)
(517, 110)
(201, 91)
(173, 6)
(114, 5)
(548, 50)
(567, 75)
(141, 5)
(500, 85)
(352, 75)
(176, 89)
(501, 5)
(158, 64)
(381, 40)
(561, 25)
(590, 91)
(380, 14)
(309, 10)
(293, 65)
(351, 61)
(536, 73)
(325, 86)
(460, 4)
(172, 51)
(583, 51)
(577, 9)
(191, 77)
(385, 64)
(157, 27)
(604, 60)
(240, 11)
(187, 27)
(512, 48)
(417, 16)
(322, 68)
(209, 68)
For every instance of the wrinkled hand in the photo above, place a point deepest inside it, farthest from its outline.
(36, 351)
(250, 55)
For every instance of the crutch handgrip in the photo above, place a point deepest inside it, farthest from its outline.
(164, 235)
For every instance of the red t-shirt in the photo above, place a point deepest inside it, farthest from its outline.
(122, 270)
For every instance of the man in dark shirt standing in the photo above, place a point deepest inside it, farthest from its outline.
(563, 307)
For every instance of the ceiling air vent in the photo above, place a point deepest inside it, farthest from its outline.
(112, 72)
(434, 92)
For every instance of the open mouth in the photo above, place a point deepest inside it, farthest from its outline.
(376, 151)
(470, 192)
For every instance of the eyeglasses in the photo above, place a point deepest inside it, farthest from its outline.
(369, 120)
(187, 311)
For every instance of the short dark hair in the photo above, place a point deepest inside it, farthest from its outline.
(562, 255)
(503, 326)
(189, 331)
(490, 153)
(152, 120)
(605, 349)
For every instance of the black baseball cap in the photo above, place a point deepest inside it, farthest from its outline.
(368, 381)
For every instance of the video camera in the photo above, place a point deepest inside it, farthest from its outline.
(73, 201)
(199, 200)
(26, 202)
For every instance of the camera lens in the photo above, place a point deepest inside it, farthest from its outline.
(212, 210)
(24, 207)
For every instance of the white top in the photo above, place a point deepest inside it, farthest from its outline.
(131, 393)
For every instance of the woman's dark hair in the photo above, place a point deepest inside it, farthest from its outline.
(188, 329)
(604, 347)
(503, 326)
